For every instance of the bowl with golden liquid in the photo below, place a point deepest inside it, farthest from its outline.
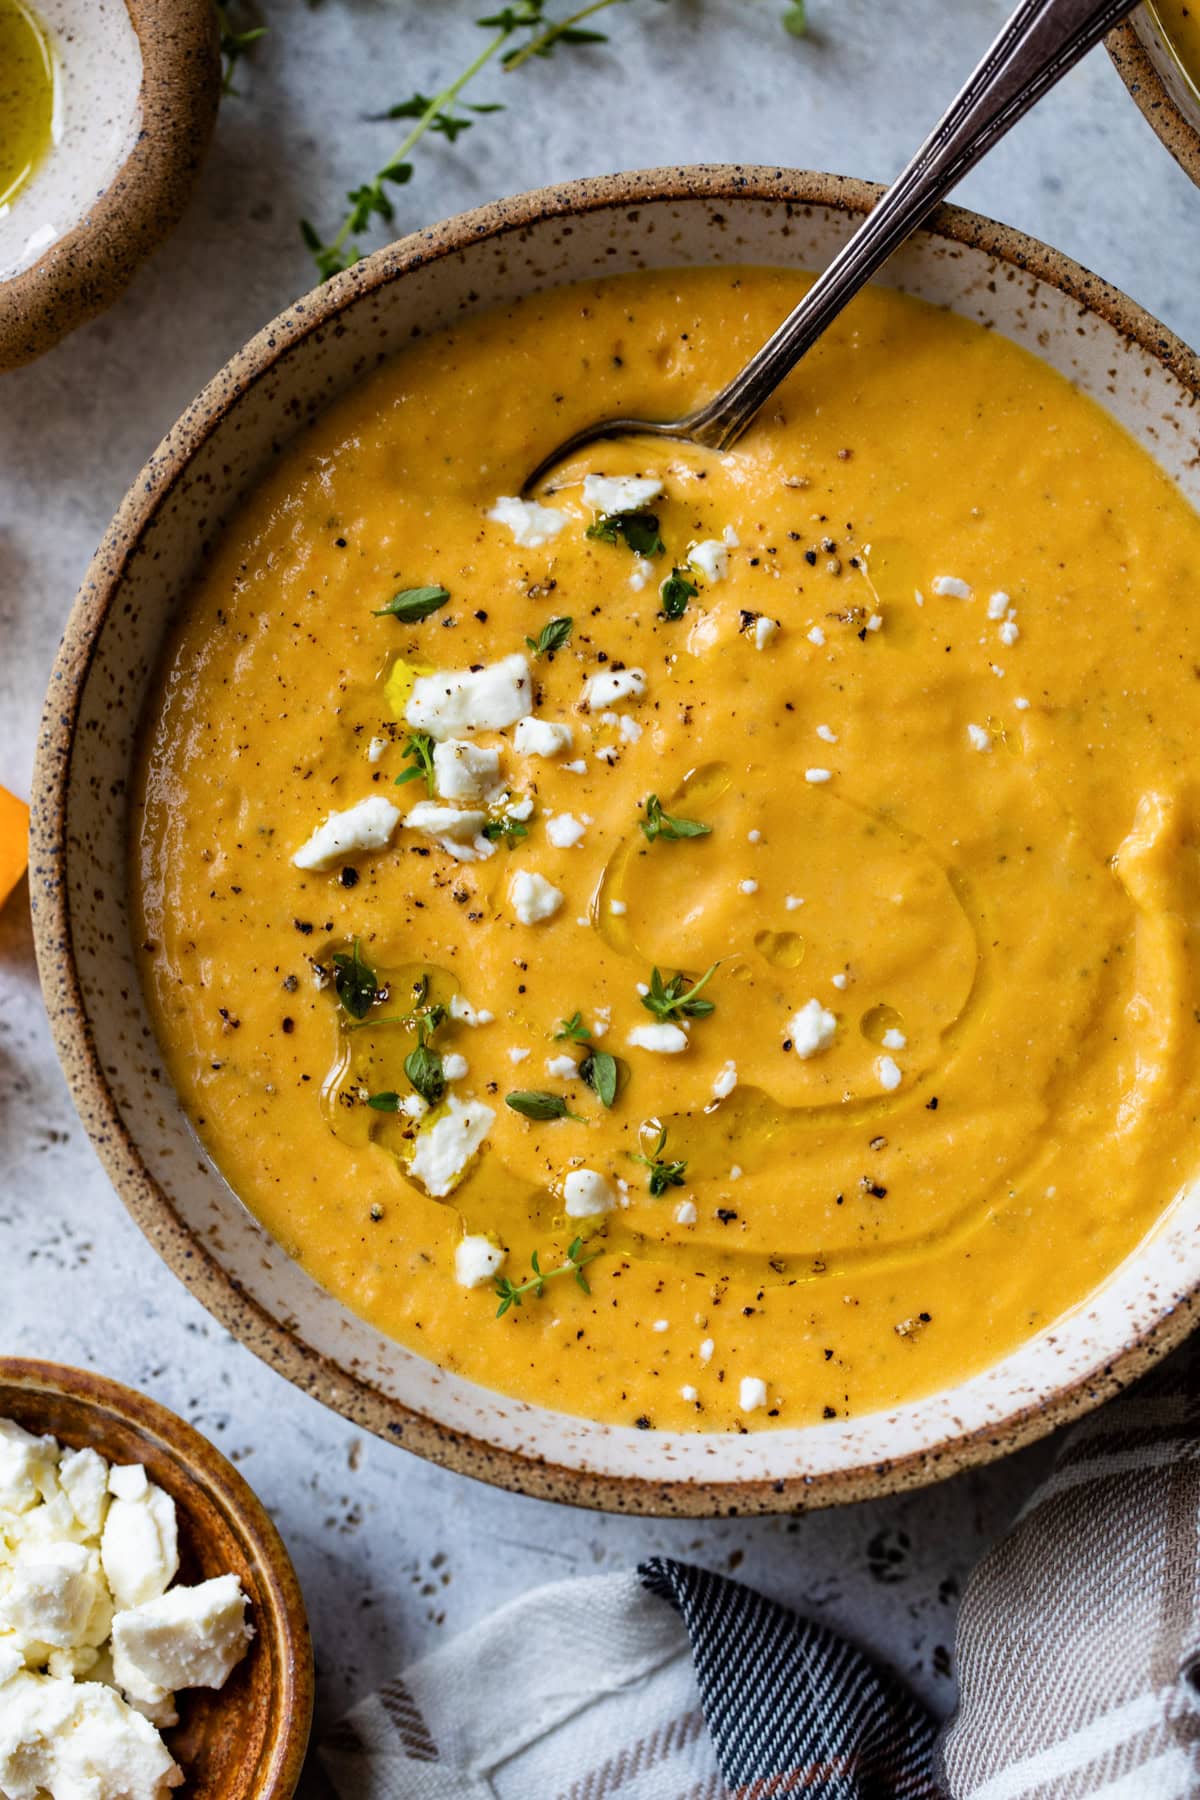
(107, 107)
(1157, 54)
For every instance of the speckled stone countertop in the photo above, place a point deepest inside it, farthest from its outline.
(393, 1555)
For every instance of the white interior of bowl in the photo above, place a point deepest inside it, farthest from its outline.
(97, 115)
(1151, 403)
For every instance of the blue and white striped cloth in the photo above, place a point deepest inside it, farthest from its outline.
(1078, 1663)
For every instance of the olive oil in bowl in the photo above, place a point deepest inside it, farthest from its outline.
(26, 96)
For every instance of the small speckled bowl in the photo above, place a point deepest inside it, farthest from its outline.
(1166, 98)
(247, 1741)
(137, 84)
(131, 598)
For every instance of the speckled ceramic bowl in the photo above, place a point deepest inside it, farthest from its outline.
(137, 83)
(133, 594)
(247, 1741)
(1166, 97)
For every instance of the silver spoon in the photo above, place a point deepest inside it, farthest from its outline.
(1041, 41)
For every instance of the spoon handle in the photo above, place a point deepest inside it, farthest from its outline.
(1040, 42)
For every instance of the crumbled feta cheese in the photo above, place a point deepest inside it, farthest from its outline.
(747, 887)
(517, 1055)
(446, 1144)
(83, 1477)
(55, 1594)
(620, 493)
(811, 1029)
(367, 826)
(735, 1174)
(79, 1739)
(840, 980)
(875, 622)
(816, 635)
(376, 748)
(576, 768)
(413, 1106)
(710, 558)
(661, 1325)
(640, 573)
(792, 901)
(27, 1468)
(564, 830)
(1021, 704)
(752, 1393)
(894, 1040)
(464, 771)
(191, 1637)
(998, 605)
(669, 1040)
(918, 596)
(128, 1481)
(562, 1068)
(617, 908)
(602, 1016)
(139, 1546)
(685, 1212)
(467, 700)
(533, 898)
(979, 738)
(611, 685)
(951, 587)
(764, 631)
(541, 737)
(725, 1081)
(530, 523)
(631, 731)
(818, 775)
(888, 1072)
(1009, 632)
(706, 1350)
(586, 1194)
(454, 1066)
(459, 832)
(754, 837)
(687, 1392)
(476, 1260)
(827, 735)
(466, 1014)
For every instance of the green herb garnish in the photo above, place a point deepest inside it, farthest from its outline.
(550, 638)
(667, 1000)
(371, 199)
(663, 1175)
(423, 1067)
(599, 1070)
(572, 1030)
(658, 823)
(385, 1102)
(355, 982)
(533, 1103)
(513, 1293)
(639, 529)
(411, 604)
(505, 829)
(675, 593)
(419, 748)
(234, 45)
(795, 18)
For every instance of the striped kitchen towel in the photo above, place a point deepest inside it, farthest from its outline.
(1078, 1652)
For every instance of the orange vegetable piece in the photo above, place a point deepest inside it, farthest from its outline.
(14, 842)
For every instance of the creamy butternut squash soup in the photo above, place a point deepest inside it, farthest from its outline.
(712, 947)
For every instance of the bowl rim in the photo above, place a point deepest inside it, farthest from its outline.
(90, 265)
(241, 1313)
(281, 1616)
(1150, 94)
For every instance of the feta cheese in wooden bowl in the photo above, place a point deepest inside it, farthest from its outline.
(152, 1633)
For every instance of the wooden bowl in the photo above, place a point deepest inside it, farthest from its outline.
(139, 82)
(1165, 97)
(247, 1741)
(83, 781)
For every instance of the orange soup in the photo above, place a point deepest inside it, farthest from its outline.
(710, 947)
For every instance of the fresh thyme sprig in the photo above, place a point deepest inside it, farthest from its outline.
(412, 604)
(639, 530)
(675, 593)
(419, 748)
(658, 823)
(505, 830)
(234, 45)
(354, 982)
(663, 1174)
(573, 1030)
(512, 1293)
(537, 1104)
(371, 199)
(667, 999)
(550, 638)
